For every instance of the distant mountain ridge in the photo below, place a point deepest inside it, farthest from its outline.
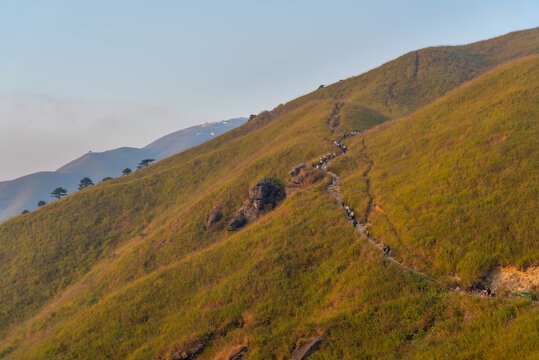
(24, 192)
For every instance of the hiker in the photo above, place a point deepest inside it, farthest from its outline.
(354, 222)
(387, 249)
(342, 203)
(488, 291)
(344, 149)
(353, 215)
(368, 233)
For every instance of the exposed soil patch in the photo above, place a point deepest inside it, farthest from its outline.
(509, 280)
(379, 209)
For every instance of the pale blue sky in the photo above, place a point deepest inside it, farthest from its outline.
(213, 60)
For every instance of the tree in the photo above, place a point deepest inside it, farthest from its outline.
(40, 203)
(25, 212)
(58, 192)
(126, 171)
(321, 87)
(145, 163)
(252, 116)
(107, 178)
(85, 182)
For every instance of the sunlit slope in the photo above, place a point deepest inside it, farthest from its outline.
(458, 180)
(413, 80)
(46, 250)
(301, 271)
(90, 264)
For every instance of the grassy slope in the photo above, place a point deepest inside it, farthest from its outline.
(281, 280)
(460, 187)
(112, 240)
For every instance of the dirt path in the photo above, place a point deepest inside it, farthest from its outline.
(334, 189)
(334, 120)
(361, 227)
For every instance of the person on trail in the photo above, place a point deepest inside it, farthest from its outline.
(354, 222)
(344, 149)
(368, 233)
(342, 203)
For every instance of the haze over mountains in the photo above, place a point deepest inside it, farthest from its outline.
(24, 193)
(442, 167)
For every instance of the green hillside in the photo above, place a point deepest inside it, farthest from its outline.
(461, 187)
(126, 269)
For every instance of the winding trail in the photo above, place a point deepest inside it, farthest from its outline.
(361, 226)
(334, 189)
(334, 121)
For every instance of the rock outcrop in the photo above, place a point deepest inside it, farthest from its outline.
(265, 195)
(189, 353)
(265, 192)
(240, 354)
(296, 169)
(216, 214)
(307, 349)
(244, 215)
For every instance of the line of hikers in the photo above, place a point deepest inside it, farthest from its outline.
(488, 292)
(340, 146)
(324, 159)
(351, 215)
(352, 133)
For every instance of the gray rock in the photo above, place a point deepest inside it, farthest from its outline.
(244, 215)
(215, 215)
(296, 169)
(240, 354)
(188, 354)
(307, 349)
(264, 193)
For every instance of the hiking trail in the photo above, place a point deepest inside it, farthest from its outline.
(334, 190)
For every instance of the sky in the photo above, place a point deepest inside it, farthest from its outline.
(197, 61)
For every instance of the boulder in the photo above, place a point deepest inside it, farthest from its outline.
(265, 192)
(188, 354)
(240, 354)
(295, 170)
(216, 214)
(307, 349)
(245, 214)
